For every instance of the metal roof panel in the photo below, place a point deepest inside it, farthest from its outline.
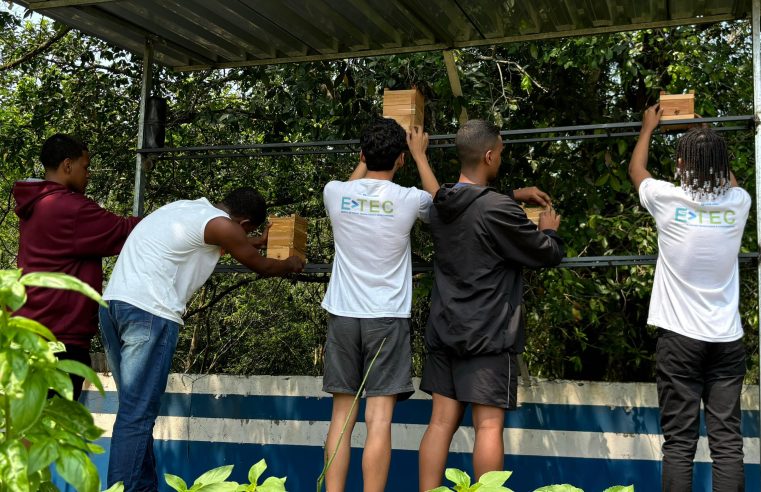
(196, 34)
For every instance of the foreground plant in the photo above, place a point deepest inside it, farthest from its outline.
(38, 431)
(215, 481)
(494, 482)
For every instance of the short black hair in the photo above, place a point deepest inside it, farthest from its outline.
(382, 141)
(704, 172)
(60, 147)
(246, 203)
(473, 139)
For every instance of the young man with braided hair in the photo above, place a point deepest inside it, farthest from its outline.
(369, 297)
(699, 354)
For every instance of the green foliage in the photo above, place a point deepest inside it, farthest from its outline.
(489, 482)
(39, 431)
(215, 481)
(582, 324)
(494, 482)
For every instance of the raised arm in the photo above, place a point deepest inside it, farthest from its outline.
(361, 170)
(638, 164)
(417, 141)
(232, 238)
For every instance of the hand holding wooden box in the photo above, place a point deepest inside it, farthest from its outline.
(287, 237)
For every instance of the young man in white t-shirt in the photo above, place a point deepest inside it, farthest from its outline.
(166, 258)
(369, 296)
(700, 354)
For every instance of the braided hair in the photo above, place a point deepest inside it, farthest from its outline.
(704, 172)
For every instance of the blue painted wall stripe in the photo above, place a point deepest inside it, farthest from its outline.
(585, 418)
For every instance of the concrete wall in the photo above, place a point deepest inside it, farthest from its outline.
(592, 435)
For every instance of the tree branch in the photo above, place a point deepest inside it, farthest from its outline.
(36, 51)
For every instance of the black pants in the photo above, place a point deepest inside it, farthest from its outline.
(689, 371)
(78, 354)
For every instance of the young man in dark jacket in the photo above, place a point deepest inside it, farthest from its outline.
(61, 230)
(482, 239)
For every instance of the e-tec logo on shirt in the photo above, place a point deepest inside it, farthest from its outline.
(704, 218)
(366, 206)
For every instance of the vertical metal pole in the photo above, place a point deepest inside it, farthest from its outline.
(140, 164)
(454, 83)
(755, 33)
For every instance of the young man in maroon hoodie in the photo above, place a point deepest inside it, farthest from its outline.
(61, 230)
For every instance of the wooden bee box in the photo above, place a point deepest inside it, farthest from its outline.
(677, 106)
(287, 237)
(404, 106)
(533, 213)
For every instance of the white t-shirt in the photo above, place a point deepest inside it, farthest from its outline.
(372, 267)
(165, 259)
(696, 288)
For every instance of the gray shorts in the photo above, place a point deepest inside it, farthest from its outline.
(489, 379)
(353, 342)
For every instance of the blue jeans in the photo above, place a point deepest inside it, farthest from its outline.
(139, 348)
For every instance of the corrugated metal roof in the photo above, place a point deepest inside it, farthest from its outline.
(196, 34)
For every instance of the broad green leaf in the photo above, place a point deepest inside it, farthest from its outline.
(494, 477)
(256, 471)
(19, 364)
(75, 467)
(215, 475)
(220, 487)
(27, 410)
(441, 489)
(175, 482)
(55, 280)
(458, 477)
(117, 487)
(272, 484)
(558, 488)
(15, 297)
(9, 277)
(42, 453)
(31, 325)
(13, 462)
(75, 367)
(494, 488)
(72, 416)
(620, 488)
(60, 382)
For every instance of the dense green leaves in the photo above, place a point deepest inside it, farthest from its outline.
(586, 324)
(38, 431)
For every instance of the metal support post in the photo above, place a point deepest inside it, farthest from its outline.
(142, 159)
(755, 33)
(454, 83)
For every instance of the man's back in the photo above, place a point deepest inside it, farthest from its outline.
(372, 268)
(696, 286)
(482, 239)
(166, 259)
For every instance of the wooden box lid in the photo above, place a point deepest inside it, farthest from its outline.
(677, 106)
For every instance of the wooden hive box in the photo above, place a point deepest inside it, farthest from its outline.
(533, 213)
(677, 106)
(404, 106)
(287, 237)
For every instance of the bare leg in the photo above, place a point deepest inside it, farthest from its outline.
(434, 448)
(489, 448)
(377, 454)
(335, 477)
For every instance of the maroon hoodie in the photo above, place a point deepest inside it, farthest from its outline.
(63, 231)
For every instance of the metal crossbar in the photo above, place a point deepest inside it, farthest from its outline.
(324, 147)
(575, 262)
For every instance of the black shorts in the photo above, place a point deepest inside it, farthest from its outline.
(351, 345)
(490, 379)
